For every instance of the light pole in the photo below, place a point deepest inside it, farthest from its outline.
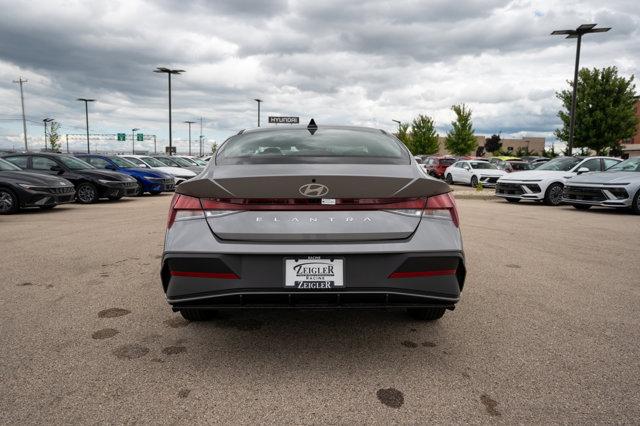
(169, 72)
(189, 123)
(133, 140)
(259, 101)
(24, 119)
(86, 116)
(399, 123)
(577, 33)
(45, 121)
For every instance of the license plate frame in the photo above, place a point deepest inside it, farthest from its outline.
(328, 273)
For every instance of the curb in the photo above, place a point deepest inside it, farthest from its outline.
(473, 195)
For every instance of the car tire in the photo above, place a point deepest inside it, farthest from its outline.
(86, 193)
(426, 314)
(449, 179)
(191, 314)
(635, 204)
(8, 201)
(155, 192)
(513, 200)
(581, 206)
(47, 207)
(140, 190)
(474, 181)
(553, 195)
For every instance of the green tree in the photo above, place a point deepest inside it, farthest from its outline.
(605, 112)
(424, 139)
(460, 140)
(404, 136)
(214, 148)
(493, 143)
(524, 152)
(54, 136)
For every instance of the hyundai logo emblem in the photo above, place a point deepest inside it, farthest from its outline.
(314, 190)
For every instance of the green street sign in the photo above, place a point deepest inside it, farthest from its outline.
(140, 137)
(122, 137)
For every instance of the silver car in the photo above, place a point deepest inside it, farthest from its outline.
(313, 217)
(618, 186)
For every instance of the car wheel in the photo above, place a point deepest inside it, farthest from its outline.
(553, 196)
(474, 181)
(426, 314)
(191, 314)
(8, 202)
(87, 193)
(139, 191)
(47, 207)
(581, 206)
(155, 192)
(635, 204)
(115, 197)
(513, 200)
(449, 179)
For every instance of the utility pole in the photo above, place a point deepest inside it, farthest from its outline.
(259, 101)
(45, 121)
(169, 72)
(200, 139)
(189, 123)
(86, 115)
(154, 145)
(67, 135)
(577, 33)
(24, 118)
(133, 140)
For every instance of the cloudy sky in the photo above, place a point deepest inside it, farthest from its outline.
(340, 62)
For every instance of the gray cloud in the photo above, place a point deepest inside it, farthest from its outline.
(359, 63)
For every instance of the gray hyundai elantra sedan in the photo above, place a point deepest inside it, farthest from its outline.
(313, 217)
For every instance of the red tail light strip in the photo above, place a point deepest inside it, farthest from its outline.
(218, 275)
(311, 204)
(415, 274)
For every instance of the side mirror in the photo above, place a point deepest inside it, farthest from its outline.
(582, 170)
(56, 168)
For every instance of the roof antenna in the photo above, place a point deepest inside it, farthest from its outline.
(312, 127)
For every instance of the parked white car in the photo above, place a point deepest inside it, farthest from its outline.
(546, 183)
(178, 173)
(472, 172)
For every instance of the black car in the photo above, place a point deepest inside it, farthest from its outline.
(20, 189)
(90, 183)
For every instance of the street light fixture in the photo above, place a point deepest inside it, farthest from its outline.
(577, 33)
(45, 121)
(259, 101)
(133, 140)
(86, 115)
(189, 123)
(399, 123)
(169, 72)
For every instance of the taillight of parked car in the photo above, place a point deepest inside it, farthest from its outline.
(184, 207)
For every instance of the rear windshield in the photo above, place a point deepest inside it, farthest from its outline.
(328, 145)
(447, 161)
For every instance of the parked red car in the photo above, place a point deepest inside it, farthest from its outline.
(435, 166)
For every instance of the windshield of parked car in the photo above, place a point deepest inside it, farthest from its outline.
(153, 162)
(121, 162)
(182, 162)
(630, 165)
(199, 162)
(563, 164)
(321, 146)
(6, 166)
(167, 161)
(191, 161)
(482, 165)
(73, 163)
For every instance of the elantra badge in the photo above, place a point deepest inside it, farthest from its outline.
(313, 190)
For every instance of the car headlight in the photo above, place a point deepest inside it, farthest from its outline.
(27, 186)
(105, 181)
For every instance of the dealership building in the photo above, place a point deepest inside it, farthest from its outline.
(535, 145)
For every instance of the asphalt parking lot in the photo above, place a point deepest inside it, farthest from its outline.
(548, 331)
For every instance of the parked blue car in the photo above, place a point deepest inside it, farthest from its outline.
(149, 180)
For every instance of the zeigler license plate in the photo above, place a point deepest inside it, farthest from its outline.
(314, 273)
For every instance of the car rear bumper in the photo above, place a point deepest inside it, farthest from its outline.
(230, 281)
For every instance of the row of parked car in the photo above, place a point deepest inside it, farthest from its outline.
(44, 179)
(579, 181)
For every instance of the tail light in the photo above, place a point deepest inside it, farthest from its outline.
(184, 206)
(444, 206)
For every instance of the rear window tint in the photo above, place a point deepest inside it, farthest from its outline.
(326, 145)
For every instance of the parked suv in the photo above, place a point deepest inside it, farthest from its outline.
(435, 166)
(89, 182)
